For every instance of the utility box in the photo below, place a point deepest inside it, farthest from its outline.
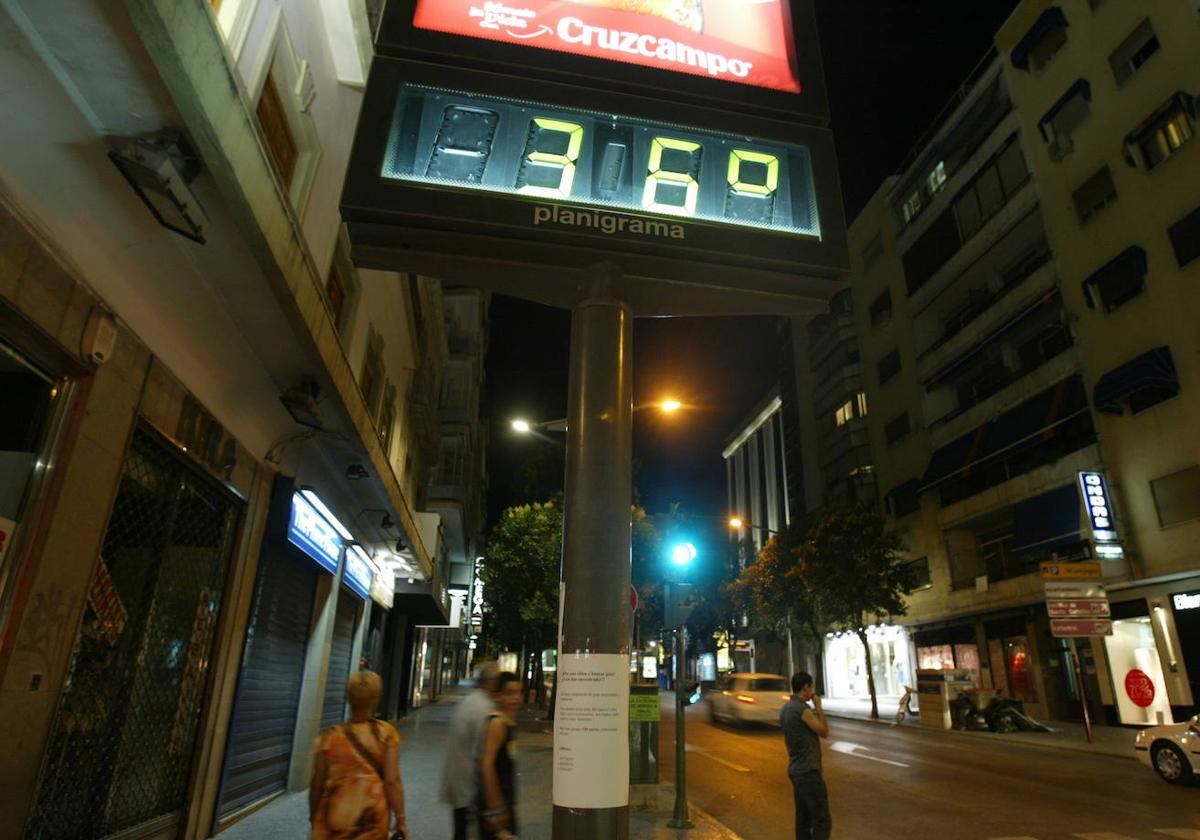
(936, 688)
(645, 714)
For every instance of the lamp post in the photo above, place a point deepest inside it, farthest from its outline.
(677, 609)
(522, 426)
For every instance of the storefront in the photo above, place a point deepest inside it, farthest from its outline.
(300, 546)
(1185, 607)
(949, 647)
(120, 749)
(846, 664)
(353, 594)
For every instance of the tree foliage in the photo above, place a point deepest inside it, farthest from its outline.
(521, 573)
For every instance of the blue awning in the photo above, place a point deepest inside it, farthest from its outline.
(1052, 18)
(1082, 87)
(1046, 521)
(1035, 420)
(1153, 370)
(1135, 255)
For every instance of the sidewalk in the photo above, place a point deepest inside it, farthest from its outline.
(1110, 740)
(424, 732)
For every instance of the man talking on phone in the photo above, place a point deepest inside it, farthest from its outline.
(803, 728)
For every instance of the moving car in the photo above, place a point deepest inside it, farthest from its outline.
(749, 698)
(1173, 750)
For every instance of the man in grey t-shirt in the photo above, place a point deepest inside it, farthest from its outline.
(803, 728)
(460, 777)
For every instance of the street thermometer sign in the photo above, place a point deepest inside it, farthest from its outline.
(684, 144)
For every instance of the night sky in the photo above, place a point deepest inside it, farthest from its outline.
(891, 65)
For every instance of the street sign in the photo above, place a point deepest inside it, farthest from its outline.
(644, 707)
(1079, 628)
(1074, 589)
(1139, 688)
(1080, 608)
(1088, 570)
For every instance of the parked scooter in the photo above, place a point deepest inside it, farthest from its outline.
(905, 707)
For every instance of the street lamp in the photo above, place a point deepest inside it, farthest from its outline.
(525, 427)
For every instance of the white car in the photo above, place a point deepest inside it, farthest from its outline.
(1173, 751)
(749, 698)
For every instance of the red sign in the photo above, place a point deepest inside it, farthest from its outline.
(1079, 628)
(1139, 687)
(743, 41)
(1078, 608)
(107, 604)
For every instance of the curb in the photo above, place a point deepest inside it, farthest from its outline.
(1049, 745)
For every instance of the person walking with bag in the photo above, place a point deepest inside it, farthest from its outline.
(803, 728)
(497, 763)
(356, 784)
(460, 773)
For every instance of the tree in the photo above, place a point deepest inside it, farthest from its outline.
(849, 565)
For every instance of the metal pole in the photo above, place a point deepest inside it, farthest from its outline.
(595, 612)
(1087, 715)
(680, 819)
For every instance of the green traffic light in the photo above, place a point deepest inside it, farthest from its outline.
(683, 553)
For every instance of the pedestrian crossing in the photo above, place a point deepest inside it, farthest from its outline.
(1158, 833)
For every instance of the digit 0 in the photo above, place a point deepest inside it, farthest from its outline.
(548, 166)
(671, 182)
(753, 173)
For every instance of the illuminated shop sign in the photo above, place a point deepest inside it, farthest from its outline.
(309, 531)
(358, 573)
(741, 41)
(383, 587)
(1098, 504)
(603, 175)
(477, 597)
(1187, 601)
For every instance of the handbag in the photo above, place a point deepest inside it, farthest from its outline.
(370, 758)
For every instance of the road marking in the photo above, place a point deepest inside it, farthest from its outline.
(739, 768)
(859, 751)
(1181, 833)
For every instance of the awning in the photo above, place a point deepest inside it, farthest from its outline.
(1021, 314)
(1023, 426)
(1153, 370)
(1046, 521)
(1082, 87)
(1052, 18)
(1135, 256)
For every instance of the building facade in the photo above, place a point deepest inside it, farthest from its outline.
(218, 483)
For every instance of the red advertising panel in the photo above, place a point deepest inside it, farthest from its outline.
(742, 41)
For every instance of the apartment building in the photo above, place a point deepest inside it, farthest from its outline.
(988, 286)
(222, 437)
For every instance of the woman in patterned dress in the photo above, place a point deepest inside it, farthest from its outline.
(356, 774)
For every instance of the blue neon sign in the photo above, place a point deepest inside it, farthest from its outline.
(309, 532)
(357, 573)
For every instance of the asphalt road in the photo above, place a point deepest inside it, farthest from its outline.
(907, 784)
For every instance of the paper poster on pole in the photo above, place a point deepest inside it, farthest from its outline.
(591, 731)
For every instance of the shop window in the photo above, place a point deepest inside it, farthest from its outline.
(888, 366)
(1185, 237)
(1012, 668)
(1177, 496)
(881, 309)
(1134, 51)
(1094, 194)
(897, 429)
(1139, 685)
(967, 656)
(935, 657)
(872, 252)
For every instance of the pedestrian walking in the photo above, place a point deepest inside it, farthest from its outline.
(356, 784)
(460, 773)
(498, 763)
(803, 728)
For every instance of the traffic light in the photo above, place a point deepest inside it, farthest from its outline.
(683, 553)
(680, 600)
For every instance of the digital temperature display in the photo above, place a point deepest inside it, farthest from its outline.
(449, 139)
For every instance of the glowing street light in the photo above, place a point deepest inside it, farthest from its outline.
(522, 426)
(670, 405)
(735, 522)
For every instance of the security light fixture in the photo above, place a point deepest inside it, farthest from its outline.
(159, 168)
(356, 472)
(301, 402)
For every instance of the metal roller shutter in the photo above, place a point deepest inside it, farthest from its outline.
(340, 646)
(268, 695)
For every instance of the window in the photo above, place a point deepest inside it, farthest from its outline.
(372, 375)
(1134, 51)
(912, 207)
(872, 252)
(931, 251)
(844, 414)
(1164, 135)
(1096, 193)
(897, 429)
(1177, 496)
(1067, 114)
(904, 499)
(387, 418)
(916, 574)
(1118, 281)
(881, 309)
(993, 186)
(1046, 47)
(1011, 163)
(281, 142)
(862, 403)
(936, 179)
(888, 366)
(1185, 237)
(335, 293)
